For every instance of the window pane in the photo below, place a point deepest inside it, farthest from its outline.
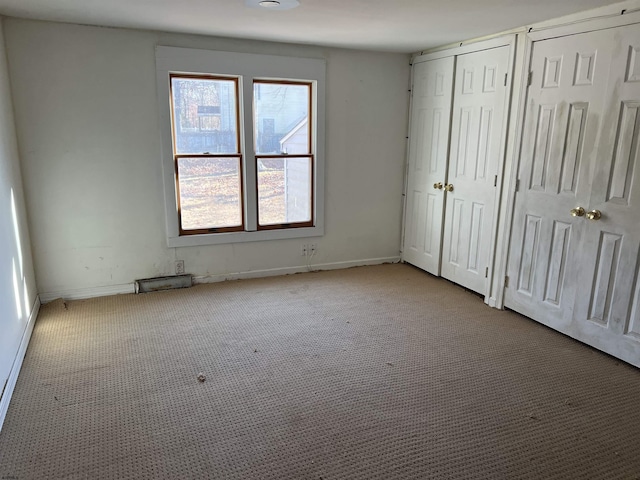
(209, 192)
(204, 115)
(281, 118)
(284, 190)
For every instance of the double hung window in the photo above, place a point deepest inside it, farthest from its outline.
(207, 153)
(242, 145)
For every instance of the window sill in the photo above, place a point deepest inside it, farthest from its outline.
(242, 237)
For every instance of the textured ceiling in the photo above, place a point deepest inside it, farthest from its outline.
(392, 25)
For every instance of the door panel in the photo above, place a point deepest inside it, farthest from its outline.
(560, 240)
(604, 273)
(606, 307)
(632, 320)
(572, 157)
(529, 255)
(623, 162)
(564, 111)
(429, 143)
(476, 141)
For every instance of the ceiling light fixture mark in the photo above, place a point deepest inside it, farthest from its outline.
(272, 4)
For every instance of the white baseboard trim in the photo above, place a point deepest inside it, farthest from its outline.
(274, 272)
(82, 293)
(17, 362)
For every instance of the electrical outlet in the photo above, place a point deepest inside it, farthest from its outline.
(312, 249)
(179, 264)
(305, 250)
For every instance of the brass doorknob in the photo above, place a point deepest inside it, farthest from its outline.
(437, 186)
(449, 187)
(594, 215)
(577, 212)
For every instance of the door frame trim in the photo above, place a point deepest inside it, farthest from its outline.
(478, 46)
(584, 26)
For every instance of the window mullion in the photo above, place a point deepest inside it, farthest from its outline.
(249, 167)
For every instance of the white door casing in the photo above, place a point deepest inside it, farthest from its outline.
(428, 148)
(477, 136)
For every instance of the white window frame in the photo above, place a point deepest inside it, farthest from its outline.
(246, 67)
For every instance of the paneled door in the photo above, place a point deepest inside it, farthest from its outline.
(563, 116)
(477, 136)
(575, 248)
(607, 307)
(428, 148)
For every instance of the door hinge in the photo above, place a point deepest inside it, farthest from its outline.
(495, 181)
(517, 185)
(530, 79)
(506, 75)
(486, 272)
(506, 281)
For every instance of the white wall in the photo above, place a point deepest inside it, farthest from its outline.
(86, 116)
(17, 281)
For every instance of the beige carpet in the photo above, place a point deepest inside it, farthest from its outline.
(369, 373)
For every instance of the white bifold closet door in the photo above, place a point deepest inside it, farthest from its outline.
(427, 169)
(477, 129)
(456, 139)
(575, 245)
